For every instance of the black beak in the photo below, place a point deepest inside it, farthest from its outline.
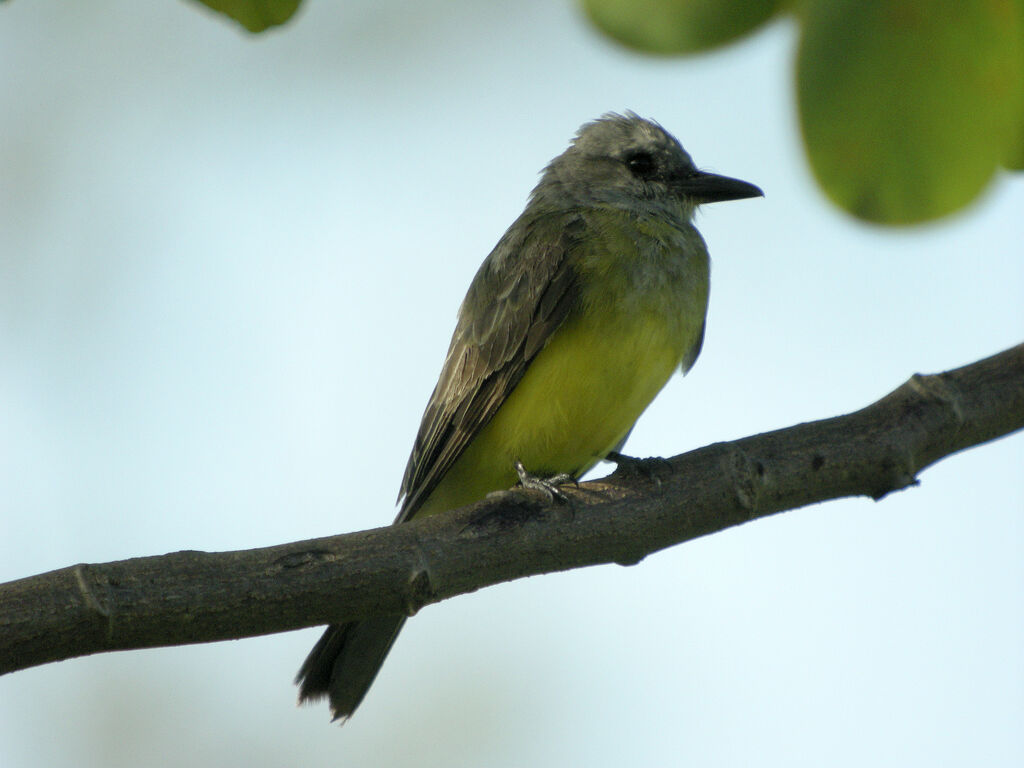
(712, 188)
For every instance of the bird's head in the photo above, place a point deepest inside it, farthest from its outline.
(629, 162)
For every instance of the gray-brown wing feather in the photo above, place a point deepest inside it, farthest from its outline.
(521, 294)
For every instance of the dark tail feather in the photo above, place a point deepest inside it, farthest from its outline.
(344, 662)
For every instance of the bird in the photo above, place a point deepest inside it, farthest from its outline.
(590, 301)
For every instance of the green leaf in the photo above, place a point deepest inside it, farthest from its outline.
(908, 107)
(255, 15)
(1015, 154)
(678, 26)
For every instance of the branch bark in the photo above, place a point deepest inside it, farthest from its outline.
(194, 597)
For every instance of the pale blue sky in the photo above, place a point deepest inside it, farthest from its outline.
(229, 269)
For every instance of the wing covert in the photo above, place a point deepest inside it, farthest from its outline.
(520, 295)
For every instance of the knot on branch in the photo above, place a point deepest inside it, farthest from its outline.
(935, 387)
(419, 589)
(748, 477)
(896, 474)
(88, 589)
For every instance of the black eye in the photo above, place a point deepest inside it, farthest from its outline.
(641, 164)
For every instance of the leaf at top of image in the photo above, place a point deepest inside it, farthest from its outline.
(678, 26)
(1014, 159)
(909, 107)
(255, 15)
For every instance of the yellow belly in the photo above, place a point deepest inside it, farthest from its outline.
(578, 399)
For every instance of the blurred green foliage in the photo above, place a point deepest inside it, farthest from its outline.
(908, 107)
(255, 15)
(678, 26)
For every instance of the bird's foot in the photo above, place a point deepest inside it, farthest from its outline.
(546, 485)
(515, 514)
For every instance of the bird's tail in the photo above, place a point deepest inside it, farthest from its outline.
(344, 662)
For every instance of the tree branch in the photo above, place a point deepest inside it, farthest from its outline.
(194, 597)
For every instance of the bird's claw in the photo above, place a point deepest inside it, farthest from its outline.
(546, 485)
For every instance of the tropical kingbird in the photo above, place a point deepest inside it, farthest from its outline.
(594, 296)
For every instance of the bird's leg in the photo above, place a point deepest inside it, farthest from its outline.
(546, 485)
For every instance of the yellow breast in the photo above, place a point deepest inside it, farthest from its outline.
(640, 314)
